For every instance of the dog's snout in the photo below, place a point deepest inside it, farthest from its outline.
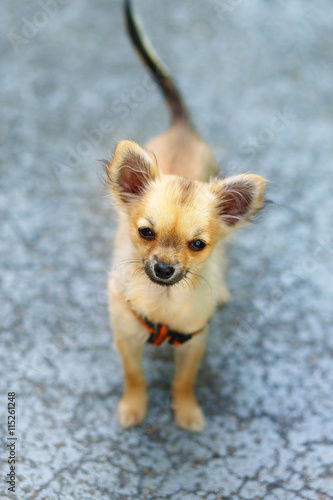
(163, 271)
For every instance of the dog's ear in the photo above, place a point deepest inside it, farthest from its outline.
(131, 172)
(238, 198)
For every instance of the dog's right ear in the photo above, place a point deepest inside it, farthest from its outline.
(131, 172)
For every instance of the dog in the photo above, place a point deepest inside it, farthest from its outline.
(168, 267)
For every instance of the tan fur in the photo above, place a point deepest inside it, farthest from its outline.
(170, 191)
(181, 151)
(179, 211)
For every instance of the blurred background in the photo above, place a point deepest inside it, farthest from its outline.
(257, 77)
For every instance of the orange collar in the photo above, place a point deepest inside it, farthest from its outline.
(159, 333)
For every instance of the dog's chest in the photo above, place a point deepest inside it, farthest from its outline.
(181, 308)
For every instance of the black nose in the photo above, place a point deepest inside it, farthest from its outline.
(163, 271)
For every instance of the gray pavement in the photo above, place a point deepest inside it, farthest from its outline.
(257, 77)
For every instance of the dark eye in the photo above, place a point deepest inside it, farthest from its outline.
(147, 233)
(197, 245)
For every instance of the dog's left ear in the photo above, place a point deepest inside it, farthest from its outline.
(131, 172)
(238, 198)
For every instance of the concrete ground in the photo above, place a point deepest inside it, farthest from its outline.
(257, 77)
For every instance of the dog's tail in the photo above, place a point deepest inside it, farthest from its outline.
(157, 69)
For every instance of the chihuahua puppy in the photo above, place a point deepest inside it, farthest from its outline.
(167, 276)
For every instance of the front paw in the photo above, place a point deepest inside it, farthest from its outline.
(188, 415)
(132, 409)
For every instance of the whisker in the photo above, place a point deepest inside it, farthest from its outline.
(198, 277)
(127, 261)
